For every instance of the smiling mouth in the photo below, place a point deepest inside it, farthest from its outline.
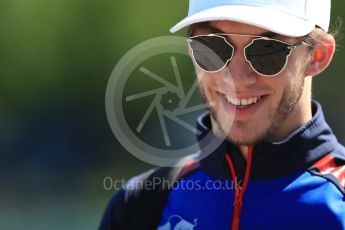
(242, 102)
(242, 106)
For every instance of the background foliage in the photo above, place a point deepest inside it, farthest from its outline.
(56, 146)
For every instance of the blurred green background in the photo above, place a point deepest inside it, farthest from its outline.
(56, 146)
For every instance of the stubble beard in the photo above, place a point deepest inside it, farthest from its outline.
(285, 107)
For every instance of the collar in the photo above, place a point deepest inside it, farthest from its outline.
(297, 152)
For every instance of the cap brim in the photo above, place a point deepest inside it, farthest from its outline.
(269, 19)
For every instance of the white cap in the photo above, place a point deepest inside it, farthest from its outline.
(287, 17)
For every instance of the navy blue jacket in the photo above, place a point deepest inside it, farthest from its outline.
(298, 183)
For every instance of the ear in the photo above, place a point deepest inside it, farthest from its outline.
(321, 56)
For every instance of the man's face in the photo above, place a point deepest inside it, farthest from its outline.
(277, 98)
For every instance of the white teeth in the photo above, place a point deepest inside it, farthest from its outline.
(247, 101)
(230, 99)
(250, 101)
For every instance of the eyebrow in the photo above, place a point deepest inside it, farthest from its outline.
(215, 30)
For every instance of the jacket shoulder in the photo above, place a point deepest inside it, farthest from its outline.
(141, 200)
(332, 168)
(126, 208)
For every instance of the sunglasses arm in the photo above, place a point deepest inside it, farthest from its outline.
(303, 42)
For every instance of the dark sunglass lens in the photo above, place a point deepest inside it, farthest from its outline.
(210, 52)
(267, 57)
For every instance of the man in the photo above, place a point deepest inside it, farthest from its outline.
(255, 61)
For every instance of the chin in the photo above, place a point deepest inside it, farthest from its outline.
(248, 136)
(243, 140)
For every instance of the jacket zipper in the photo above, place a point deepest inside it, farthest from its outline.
(239, 190)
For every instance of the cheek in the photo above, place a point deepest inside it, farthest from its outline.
(286, 81)
(295, 74)
(206, 85)
(298, 62)
(278, 86)
(211, 80)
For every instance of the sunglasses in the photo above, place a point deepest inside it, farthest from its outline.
(266, 56)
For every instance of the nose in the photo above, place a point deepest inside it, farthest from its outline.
(239, 71)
